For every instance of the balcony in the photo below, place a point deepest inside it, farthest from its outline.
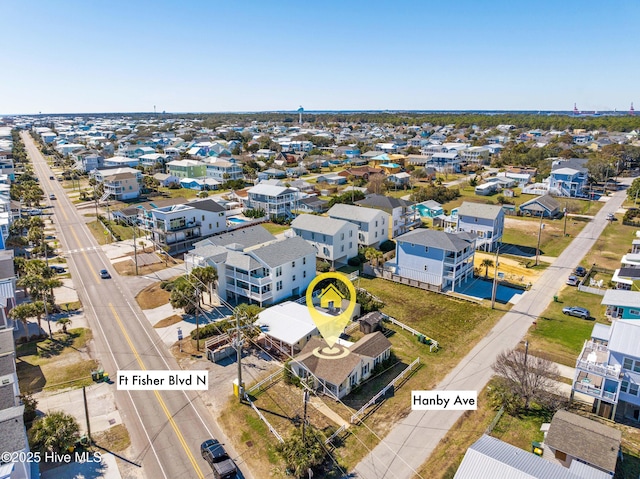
(247, 293)
(594, 358)
(595, 392)
(189, 225)
(255, 280)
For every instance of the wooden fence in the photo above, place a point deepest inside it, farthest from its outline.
(399, 378)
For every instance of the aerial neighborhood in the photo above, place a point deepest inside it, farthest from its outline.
(494, 254)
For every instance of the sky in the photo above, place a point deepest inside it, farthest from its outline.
(210, 56)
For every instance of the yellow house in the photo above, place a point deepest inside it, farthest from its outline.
(331, 297)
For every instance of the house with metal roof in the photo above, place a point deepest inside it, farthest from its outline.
(484, 221)
(337, 377)
(434, 257)
(608, 370)
(622, 304)
(491, 457)
(287, 327)
(373, 224)
(334, 240)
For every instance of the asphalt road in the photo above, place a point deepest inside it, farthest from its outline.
(166, 427)
(411, 441)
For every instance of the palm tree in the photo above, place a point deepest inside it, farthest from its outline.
(373, 255)
(55, 432)
(487, 263)
(63, 323)
(22, 313)
(206, 275)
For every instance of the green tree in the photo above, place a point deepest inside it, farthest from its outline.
(486, 263)
(63, 323)
(373, 255)
(206, 276)
(55, 432)
(300, 454)
(184, 295)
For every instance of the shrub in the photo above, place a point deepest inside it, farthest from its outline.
(388, 245)
(323, 266)
(355, 261)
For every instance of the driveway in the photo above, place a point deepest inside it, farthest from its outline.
(412, 440)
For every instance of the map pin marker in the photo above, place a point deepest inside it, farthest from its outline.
(331, 326)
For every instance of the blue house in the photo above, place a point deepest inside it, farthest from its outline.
(622, 304)
(484, 221)
(608, 370)
(434, 257)
(568, 181)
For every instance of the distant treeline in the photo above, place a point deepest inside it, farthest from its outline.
(623, 123)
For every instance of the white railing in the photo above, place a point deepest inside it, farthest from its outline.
(264, 419)
(598, 368)
(268, 380)
(415, 332)
(340, 430)
(213, 342)
(356, 416)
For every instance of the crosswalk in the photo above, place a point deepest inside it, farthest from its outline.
(80, 250)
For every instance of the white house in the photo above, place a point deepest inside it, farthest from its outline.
(264, 273)
(287, 326)
(373, 224)
(178, 227)
(273, 200)
(334, 240)
(120, 161)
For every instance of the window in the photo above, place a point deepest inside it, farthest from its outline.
(633, 389)
(350, 233)
(376, 234)
(278, 285)
(313, 236)
(324, 238)
(426, 249)
(342, 248)
(217, 224)
(627, 363)
(350, 245)
(210, 225)
(342, 236)
(278, 271)
(624, 387)
(202, 217)
(634, 312)
(293, 264)
(304, 274)
(294, 278)
(426, 268)
(636, 366)
(304, 260)
(376, 223)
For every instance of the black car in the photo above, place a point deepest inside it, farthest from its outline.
(222, 465)
(580, 271)
(104, 274)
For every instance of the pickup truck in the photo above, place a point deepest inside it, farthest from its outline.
(222, 465)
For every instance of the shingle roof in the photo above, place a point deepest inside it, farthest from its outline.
(319, 224)
(437, 239)
(546, 201)
(351, 212)
(371, 345)
(280, 252)
(335, 371)
(585, 439)
(479, 210)
(13, 436)
(248, 237)
(490, 457)
(6, 341)
(384, 203)
(207, 205)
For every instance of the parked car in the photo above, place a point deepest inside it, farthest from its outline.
(51, 177)
(52, 196)
(104, 274)
(577, 311)
(580, 271)
(222, 465)
(58, 269)
(573, 280)
(611, 217)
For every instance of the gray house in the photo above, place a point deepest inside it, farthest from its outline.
(544, 205)
(485, 221)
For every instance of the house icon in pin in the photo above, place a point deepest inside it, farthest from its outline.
(331, 298)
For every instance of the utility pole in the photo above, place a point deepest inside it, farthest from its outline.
(135, 251)
(566, 205)
(539, 235)
(86, 413)
(305, 399)
(239, 355)
(197, 319)
(494, 288)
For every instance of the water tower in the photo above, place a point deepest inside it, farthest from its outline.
(632, 112)
(300, 111)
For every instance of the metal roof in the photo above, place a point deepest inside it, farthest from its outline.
(354, 213)
(320, 224)
(479, 210)
(288, 322)
(625, 337)
(490, 457)
(621, 297)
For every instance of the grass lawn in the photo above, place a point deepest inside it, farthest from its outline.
(152, 296)
(55, 364)
(524, 232)
(98, 233)
(178, 192)
(614, 242)
(274, 228)
(560, 337)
